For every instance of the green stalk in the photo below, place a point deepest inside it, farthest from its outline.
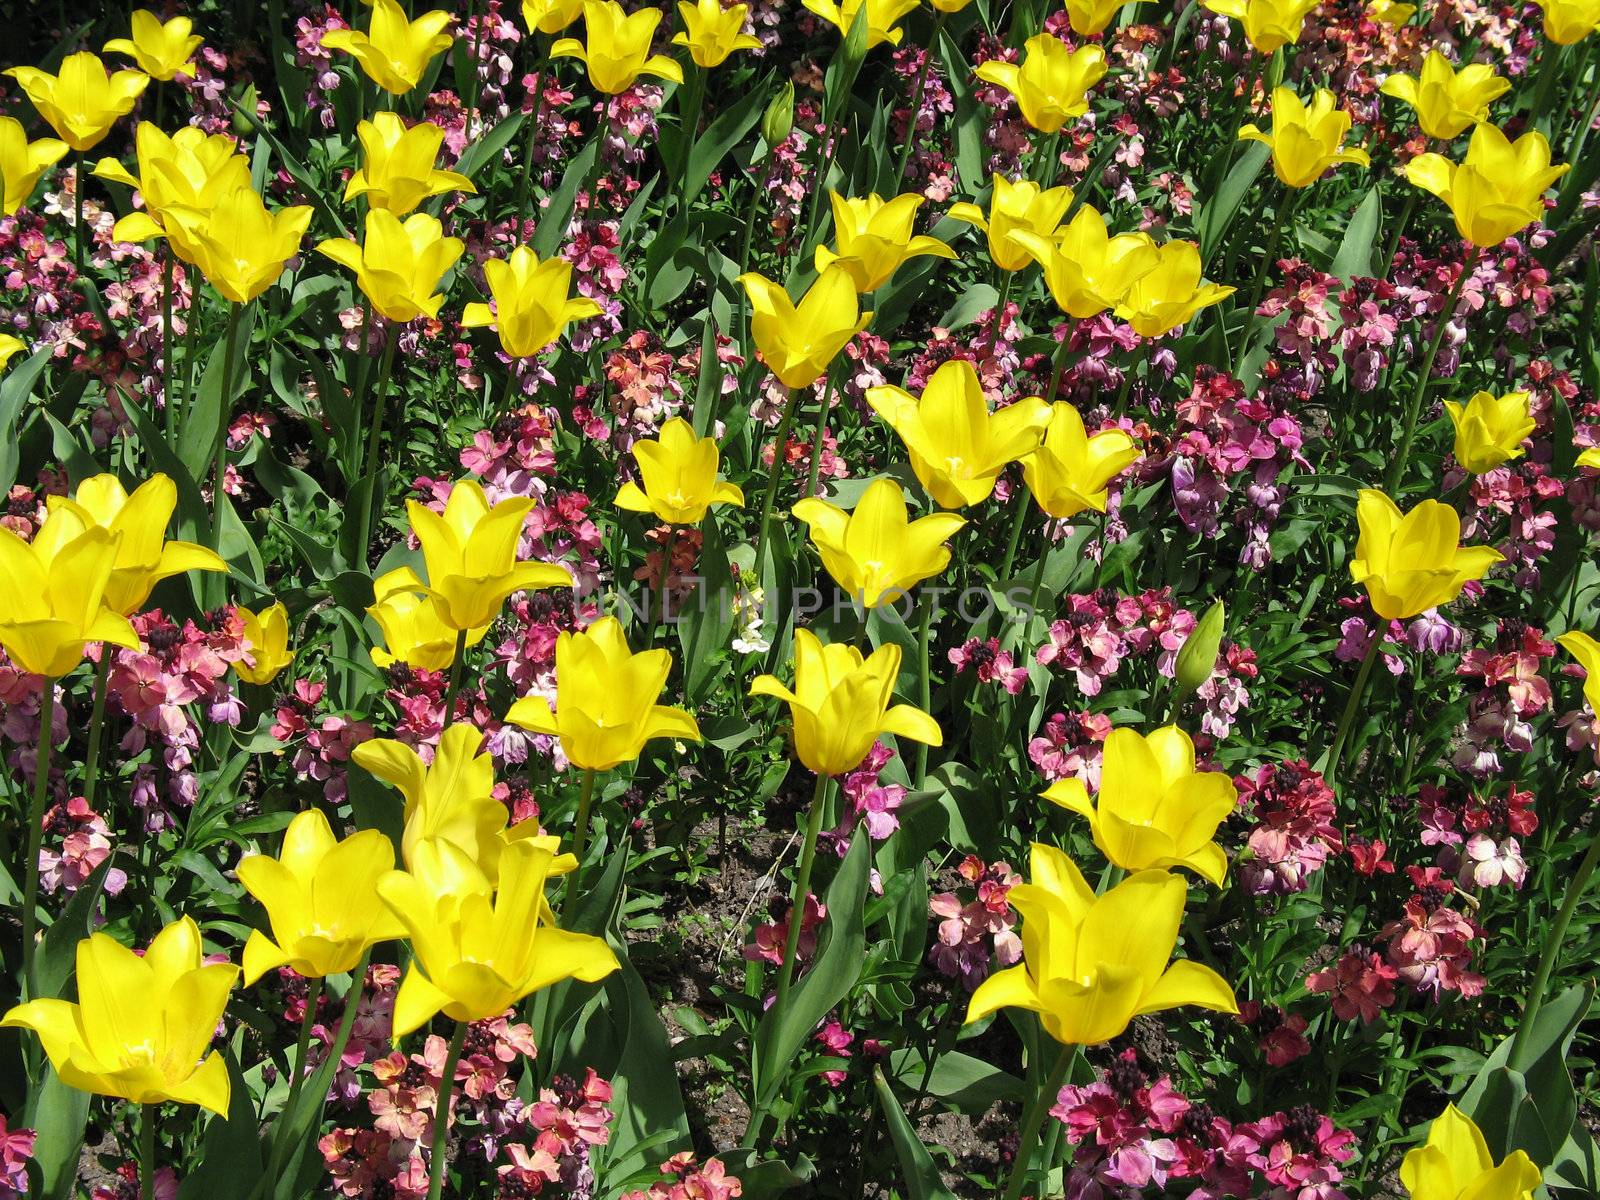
(916, 101)
(303, 1044)
(1000, 310)
(91, 766)
(229, 362)
(369, 460)
(658, 612)
(1397, 465)
(453, 688)
(1284, 217)
(474, 82)
(1038, 576)
(1028, 1135)
(1357, 691)
(169, 409)
(30, 886)
(1575, 889)
(925, 692)
(1017, 522)
(77, 219)
(525, 180)
(689, 118)
(773, 475)
(816, 436)
(147, 1151)
(441, 1115)
(580, 827)
(1046, 155)
(741, 335)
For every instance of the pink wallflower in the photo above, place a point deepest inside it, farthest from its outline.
(688, 1179)
(836, 1039)
(1300, 1153)
(873, 802)
(1068, 747)
(1294, 833)
(16, 1148)
(991, 663)
(85, 844)
(1279, 1034)
(972, 933)
(772, 938)
(1361, 984)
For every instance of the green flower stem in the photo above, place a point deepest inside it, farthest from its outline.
(1282, 219)
(147, 1151)
(1575, 888)
(525, 179)
(475, 80)
(1357, 691)
(30, 886)
(1017, 522)
(816, 435)
(580, 826)
(1399, 230)
(303, 1044)
(828, 148)
(77, 215)
(169, 410)
(916, 101)
(773, 476)
(689, 111)
(1046, 155)
(740, 333)
(1028, 1136)
(97, 717)
(925, 689)
(1398, 463)
(454, 686)
(999, 314)
(658, 611)
(441, 1116)
(369, 460)
(1038, 575)
(230, 356)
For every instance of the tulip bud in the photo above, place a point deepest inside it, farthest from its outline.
(1198, 655)
(778, 120)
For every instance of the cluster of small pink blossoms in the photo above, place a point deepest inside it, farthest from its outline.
(686, 1178)
(976, 931)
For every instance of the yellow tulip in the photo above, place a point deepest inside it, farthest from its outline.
(1447, 101)
(1268, 24)
(22, 162)
(142, 1024)
(1086, 269)
(550, 16)
(1455, 1164)
(144, 556)
(450, 799)
(874, 237)
(1497, 189)
(881, 17)
(712, 32)
(1090, 964)
(394, 52)
(1022, 207)
(268, 635)
(161, 50)
(413, 631)
(679, 472)
(1490, 429)
(470, 553)
(953, 6)
(1586, 650)
(398, 263)
(1413, 562)
(532, 302)
(799, 341)
(616, 47)
(1305, 141)
(606, 697)
(1391, 13)
(1089, 17)
(1052, 85)
(476, 952)
(841, 704)
(186, 174)
(10, 347)
(82, 102)
(1569, 21)
(54, 599)
(397, 171)
(875, 553)
(957, 446)
(321, 898)
(239, 246)
(1154, 810)
(1170, 293)
(1070, 470)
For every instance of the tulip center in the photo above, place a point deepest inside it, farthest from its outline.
(955, 464)
(141, 1055)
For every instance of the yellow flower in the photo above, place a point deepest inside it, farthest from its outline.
(679, 472)
(550, 16)
(606, 697)
(144, 556)
(394, 52)
(471, 555)
(1587, 651)
(1589, 458)
(1086, 269)
(1090, 964)
(1089, 17)
(1170, 293)
(1497, 189)
(875, 553)
(10, 347)
(1569, 21)
(1455, 1164)
(841, 704)
(54, 599)
(1070, 470)
(142, 1024)
(477, 952)
(160, 50)
(616, 47)
(957, 446)
(1414, 562)
(413, 631)
(955, 6)
(1305, 141)
(881, 18)
(1391, 13)
(1447, 101)
(1022, 207)
(532, 302)
(186, 175)
(712, 32)
(874, 237)
(268, 635)
(1052, 84)
(1154, 810)
(22, 162)
(321, 898)
(1489, 429)
(239, 246)
(398, 263)
(799, 341)
(397, 171)
(82, 102)
(1268, 24)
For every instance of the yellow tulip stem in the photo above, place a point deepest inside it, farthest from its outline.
(524, 181)
(30, 886)
(77, 215)
(1042, 167)
(1549, 71)
(453, 688)
(998, 316)
(369, 461)
(1282, 219)
(916, 102)
(1347, 719)
(773, 475)
(1576, 888)
(580, 826)
(441, 1115)
(925, 686)
(1399, 230)
(1022, 496)
(740, 333)
(219, 494)
(1038, 575)
(97, 716)
(816, 435)
(797, 905)
(1028, 1135)
(303, 1043)
(689, 111)
(658, 610)
(168, 408)
(828, 147)
(147, 1150)
(1058, 366)
(360, 367)
(1408, 431)
(475, 81)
